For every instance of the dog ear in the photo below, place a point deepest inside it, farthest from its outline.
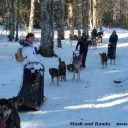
(16, 101)
(12, 100)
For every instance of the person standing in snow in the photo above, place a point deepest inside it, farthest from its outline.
(94, 32)
(113, 38)
(83, 43)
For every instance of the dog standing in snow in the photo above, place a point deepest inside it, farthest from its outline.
(58, 73)
(62, 70)
(76, 68)
(103, 59)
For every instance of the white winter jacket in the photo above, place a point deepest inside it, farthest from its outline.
(29, 53)
(30, 56)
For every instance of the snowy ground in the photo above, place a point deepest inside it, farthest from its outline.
(93, 102)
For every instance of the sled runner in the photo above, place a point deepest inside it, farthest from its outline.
(32, 89)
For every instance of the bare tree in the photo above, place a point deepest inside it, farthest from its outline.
(70, 20)
(11, 11)
(52, 19)
(94, 13)
(31, 18)
(17, 19)
(59, 20)
(77, 6)
(85, 15)
(46, 45)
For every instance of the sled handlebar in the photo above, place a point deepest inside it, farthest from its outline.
(42, 66)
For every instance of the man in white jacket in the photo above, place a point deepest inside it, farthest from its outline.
(32, 89)
(28, 51)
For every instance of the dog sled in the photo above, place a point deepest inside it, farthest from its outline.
(75, 57)
(93, 42)
(32, 89)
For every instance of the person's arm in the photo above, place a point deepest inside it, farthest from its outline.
(78, 43)
(117, 38)
(110, 39)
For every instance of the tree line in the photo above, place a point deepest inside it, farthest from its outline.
(50, 15)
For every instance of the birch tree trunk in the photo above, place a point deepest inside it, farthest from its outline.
(90, 15)
(46, 44)
(70, 17)
(94, 13)
(31, 18)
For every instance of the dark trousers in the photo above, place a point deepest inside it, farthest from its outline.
(83, 57)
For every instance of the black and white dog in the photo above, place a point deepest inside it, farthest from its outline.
(58, 73)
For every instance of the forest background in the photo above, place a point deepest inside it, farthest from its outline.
(51, 15)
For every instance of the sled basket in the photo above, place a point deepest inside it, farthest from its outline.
(32, 89)
(76, 56)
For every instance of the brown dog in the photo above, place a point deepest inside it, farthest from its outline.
(59, 73)
(54, 73)
(103, 59)
(62, 70)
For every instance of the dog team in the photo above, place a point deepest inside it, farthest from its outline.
(111, 50)
(79, 60)
(60, 72)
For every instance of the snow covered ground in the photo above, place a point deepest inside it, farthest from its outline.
(93, 102)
